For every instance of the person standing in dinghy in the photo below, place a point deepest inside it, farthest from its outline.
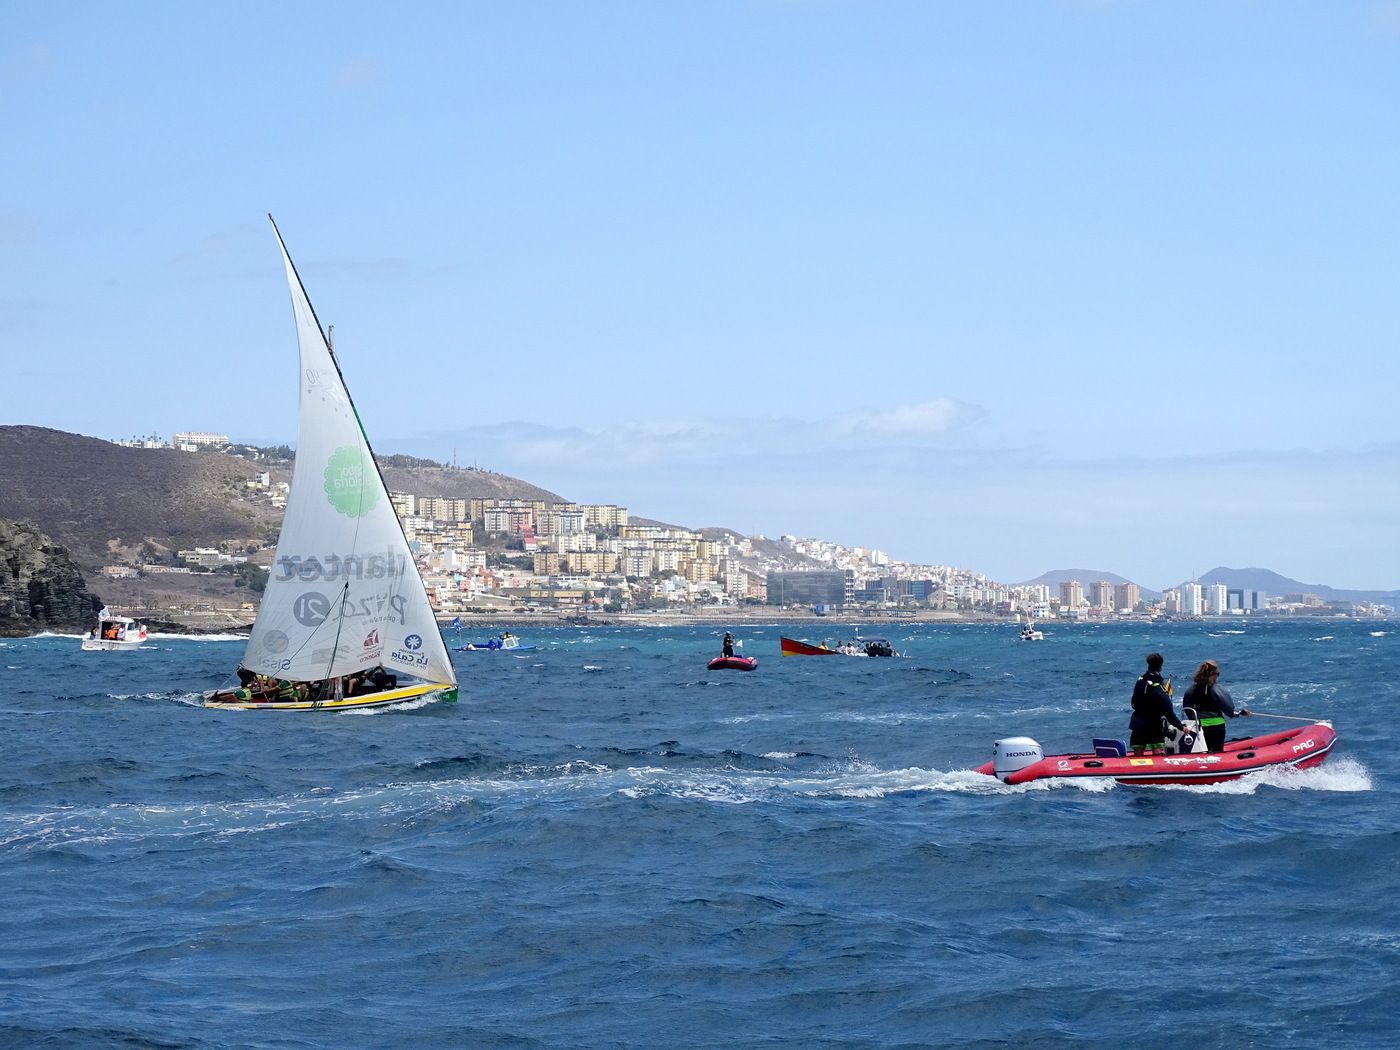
(727, 647)
(1212, 703)
(1152, 709)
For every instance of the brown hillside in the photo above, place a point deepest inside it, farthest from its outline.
(85, 492)
(104, 501)
(462, 483)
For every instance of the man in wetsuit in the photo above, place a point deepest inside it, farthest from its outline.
(727, 647)
(1152, 708)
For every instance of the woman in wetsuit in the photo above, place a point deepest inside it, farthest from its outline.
(1212, 703)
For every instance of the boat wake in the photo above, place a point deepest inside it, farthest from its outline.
(579, 781)
(1341, 774)
(190, 699)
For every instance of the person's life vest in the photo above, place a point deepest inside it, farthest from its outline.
(285, 690)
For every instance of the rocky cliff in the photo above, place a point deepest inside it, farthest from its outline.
(41, 589)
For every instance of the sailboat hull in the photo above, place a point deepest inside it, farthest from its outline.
(229, 700)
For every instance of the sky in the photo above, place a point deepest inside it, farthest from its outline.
(1006, 286)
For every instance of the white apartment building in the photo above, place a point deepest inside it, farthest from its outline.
(1217, 599)
(199, 439)
(1192, 599)
(569, 522)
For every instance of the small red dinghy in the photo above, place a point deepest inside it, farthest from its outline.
(1018, 760)
(732, 663)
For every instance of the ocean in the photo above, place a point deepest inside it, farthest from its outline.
(604, 845)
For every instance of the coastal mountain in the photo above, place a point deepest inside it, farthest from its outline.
(460, 483)
(98, 499)
(1275, 584)
(1055, 577)
(108, 503)
(41, 589)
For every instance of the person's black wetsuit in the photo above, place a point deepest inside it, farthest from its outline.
(1152, 705)
(1212, 704)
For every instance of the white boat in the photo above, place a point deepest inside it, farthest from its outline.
(345, 617)
(503, 643)
(1029, 632)
(114, 634)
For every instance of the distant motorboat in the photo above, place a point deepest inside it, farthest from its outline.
(504, 643)
(854, 647)
(114, 634)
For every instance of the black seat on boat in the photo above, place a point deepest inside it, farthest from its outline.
(1105, 748)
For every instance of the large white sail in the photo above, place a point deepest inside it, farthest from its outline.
(344, 593)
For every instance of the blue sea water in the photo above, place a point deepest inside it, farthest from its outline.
(604, 845)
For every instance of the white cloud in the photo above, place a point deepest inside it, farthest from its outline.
(357, 73)
(685, 441)
(1386, 18)
(927, 418)
(30, 62)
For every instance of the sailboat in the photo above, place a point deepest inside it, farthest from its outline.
(344, 621)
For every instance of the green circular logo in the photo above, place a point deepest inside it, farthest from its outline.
(350, 482)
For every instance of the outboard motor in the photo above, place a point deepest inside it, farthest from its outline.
(1013, 754)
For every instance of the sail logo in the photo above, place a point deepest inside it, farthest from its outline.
(332, 567)
(351, 481)
(371, 639)
(413, 643)
(311, 609)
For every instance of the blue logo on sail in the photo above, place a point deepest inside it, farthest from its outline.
(413, 643)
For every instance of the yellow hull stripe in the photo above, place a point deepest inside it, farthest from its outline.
(347, 703)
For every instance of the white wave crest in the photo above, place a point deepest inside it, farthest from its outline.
(164, 637)
(1342, 774)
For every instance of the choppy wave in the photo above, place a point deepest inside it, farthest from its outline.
(599, 847)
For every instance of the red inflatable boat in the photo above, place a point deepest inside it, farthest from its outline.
(732, 663)
(1018, 760)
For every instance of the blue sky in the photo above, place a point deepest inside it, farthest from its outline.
(1012, 286)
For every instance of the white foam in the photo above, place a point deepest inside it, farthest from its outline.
(1379, 634)
(1342, 775)
(162, 636)
(852, 779)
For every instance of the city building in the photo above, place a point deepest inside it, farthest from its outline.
(1246, 600)
(193, 439)
(1071, 595)
(811, 588)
